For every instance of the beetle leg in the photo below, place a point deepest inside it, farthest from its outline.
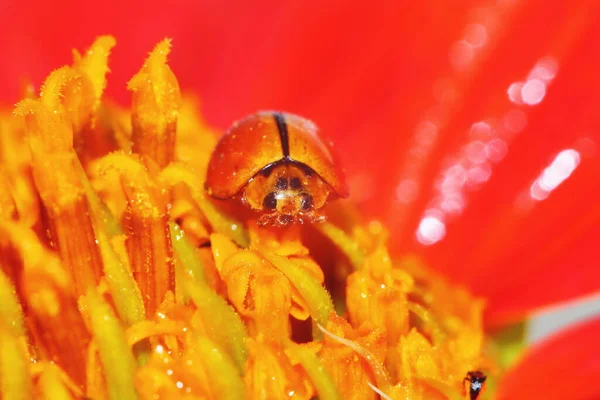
(315, 216)
(274, 219)
(266, 219)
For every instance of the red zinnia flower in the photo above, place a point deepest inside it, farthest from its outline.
(469, 129)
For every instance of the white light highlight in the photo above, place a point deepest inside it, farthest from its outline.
(476, 35)
(480, 130)
(496, 150)
(561, 168)
(452, 204)
(476, 152)
(556, 173)
(431, 230)
(545, 69)
(514, 92)
(479, 174)
(533, 92)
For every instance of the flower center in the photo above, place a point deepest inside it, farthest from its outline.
(123, 279)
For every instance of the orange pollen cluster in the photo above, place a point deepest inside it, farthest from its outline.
(121, 279)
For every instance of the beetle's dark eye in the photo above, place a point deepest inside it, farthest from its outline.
(270, 201)
(281, 184)
(295, 183)
(307, 202)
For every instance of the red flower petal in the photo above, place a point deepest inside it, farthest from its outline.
(518, 252)
(399, 88)
(565, 367)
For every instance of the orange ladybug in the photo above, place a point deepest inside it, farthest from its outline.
(278, 164)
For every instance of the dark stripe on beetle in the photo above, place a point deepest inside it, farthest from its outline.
(283, 133)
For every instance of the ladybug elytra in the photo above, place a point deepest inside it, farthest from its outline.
(278, 164)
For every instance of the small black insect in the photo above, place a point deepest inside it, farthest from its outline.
(476, 380)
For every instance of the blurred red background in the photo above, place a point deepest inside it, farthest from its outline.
(413, 94)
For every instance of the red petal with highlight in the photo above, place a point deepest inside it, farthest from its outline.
(518, 252)
(565, 367)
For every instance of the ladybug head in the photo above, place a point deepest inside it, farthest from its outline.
(286, 193)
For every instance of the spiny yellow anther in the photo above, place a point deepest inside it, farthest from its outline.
(156, 100)
(51, 93)
(81, 97)
(93, 64)
(48, 127)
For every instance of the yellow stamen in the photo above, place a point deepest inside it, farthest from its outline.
(148, 235)
(319, 376)
(187, 262)
(125, 258)
(220, 322)
(156, 100)
(15, 380)
(11, 313)
(317, 298)
(222, 371)
(82, 104)
(50, 138)
(117, 359)
(51, 385)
